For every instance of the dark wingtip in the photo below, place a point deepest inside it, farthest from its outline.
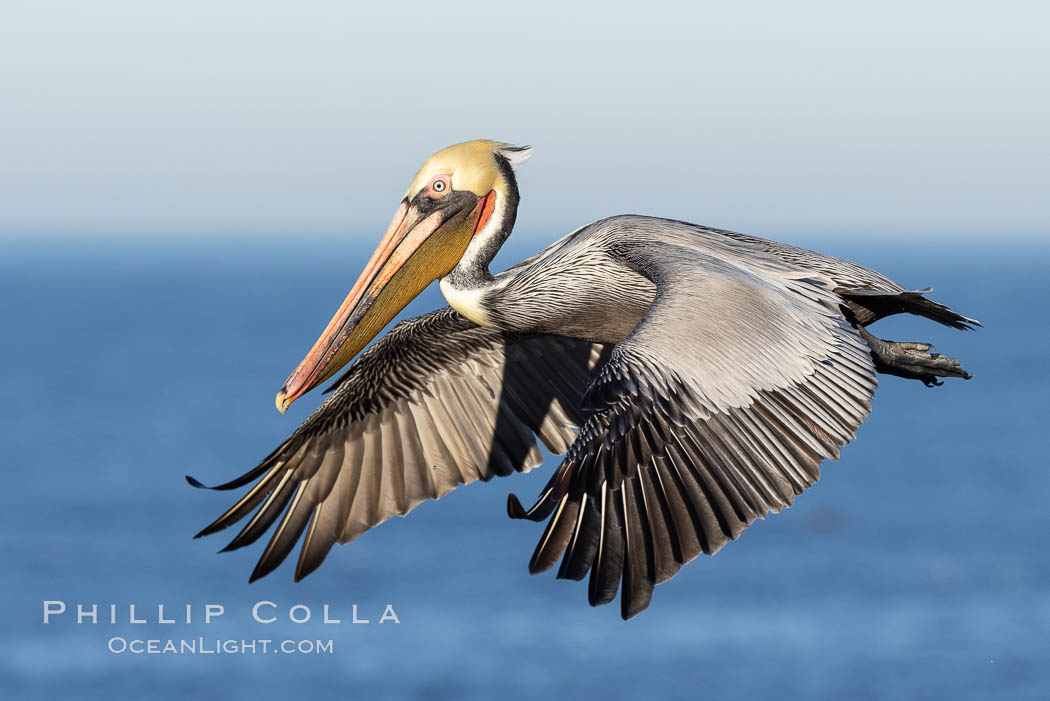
(209, 529)
(305, 571)
(263, 568)
(236, 544)
(308, 565)
(514, 507)
(194, 482)
(629, 609)
(542, 509)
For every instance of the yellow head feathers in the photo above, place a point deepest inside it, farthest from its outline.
(472, 166)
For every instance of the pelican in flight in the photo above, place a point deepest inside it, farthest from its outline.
(693, 379)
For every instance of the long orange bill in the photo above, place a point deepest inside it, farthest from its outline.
(417, 248)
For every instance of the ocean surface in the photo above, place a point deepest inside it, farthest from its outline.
(918, 568)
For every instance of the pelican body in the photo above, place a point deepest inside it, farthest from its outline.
(693, 379)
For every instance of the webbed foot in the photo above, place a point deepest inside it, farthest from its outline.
(913, 361)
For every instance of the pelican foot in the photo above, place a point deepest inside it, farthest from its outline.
(913, 361)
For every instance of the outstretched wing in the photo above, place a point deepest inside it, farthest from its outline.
(717, 409)
(435, 403)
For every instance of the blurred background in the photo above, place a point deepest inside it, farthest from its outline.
(187, 193)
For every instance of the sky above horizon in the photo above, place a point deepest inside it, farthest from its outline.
(308, 119)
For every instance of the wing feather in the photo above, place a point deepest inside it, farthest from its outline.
(436, 403)
(716, 410)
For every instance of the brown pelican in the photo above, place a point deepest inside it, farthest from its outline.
(693, 378)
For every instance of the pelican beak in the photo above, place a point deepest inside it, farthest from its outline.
(424, 241)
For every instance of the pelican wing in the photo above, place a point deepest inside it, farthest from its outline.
(717, 409)
(437, 402)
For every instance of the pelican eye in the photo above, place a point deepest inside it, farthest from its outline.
(439, 186)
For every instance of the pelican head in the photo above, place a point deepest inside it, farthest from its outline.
(461, 203)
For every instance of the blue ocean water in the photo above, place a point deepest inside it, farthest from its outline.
(917, 568)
